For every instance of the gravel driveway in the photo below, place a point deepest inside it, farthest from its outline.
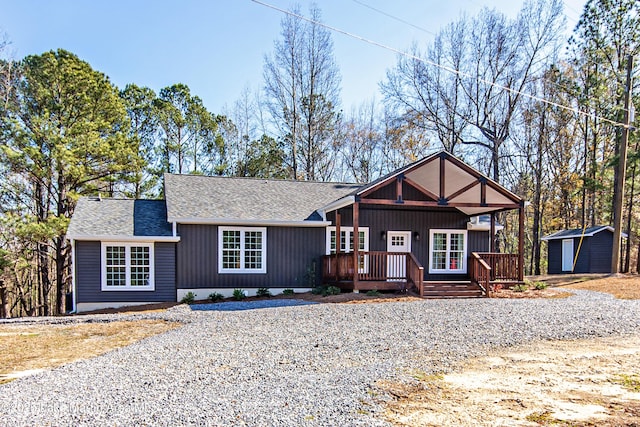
(313, 365)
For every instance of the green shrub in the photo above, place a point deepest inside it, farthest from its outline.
(239, 295)
(288, 291)
(331, 290)
(215, 297)
(520, 288)
(188, 298)
(373, 293)
(540, 286)
(318, 290)
(263, 292)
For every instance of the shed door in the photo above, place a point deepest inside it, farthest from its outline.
(567, 255)
(398, 241)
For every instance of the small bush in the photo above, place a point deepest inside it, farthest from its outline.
(373, 293)
(239, 295)
(520, 288)
(188, 298)
(215, 297)
(288, 292)
(540, 286)
(331, 290)
(318, 290)
(263, 292)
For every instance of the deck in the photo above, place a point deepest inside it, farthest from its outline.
(384, 271)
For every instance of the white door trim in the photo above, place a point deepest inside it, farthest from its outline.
(567, 254)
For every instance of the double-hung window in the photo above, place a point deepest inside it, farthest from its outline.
(242, 250)
(346, 239)
(447, 251)
(127, 267)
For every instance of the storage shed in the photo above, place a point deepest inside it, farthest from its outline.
(593, 254)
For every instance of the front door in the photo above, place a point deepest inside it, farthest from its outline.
(397, 241)
(567, 255)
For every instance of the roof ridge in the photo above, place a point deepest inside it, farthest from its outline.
(251, 178)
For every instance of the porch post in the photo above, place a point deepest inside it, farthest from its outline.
(492, 231)
(338, 223)
(521, 242)
(356, 243)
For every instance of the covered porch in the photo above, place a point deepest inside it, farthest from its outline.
(434, 197)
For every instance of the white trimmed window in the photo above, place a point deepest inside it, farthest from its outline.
(447, 251)
(346, 239)
(242, 250)
(127, 267)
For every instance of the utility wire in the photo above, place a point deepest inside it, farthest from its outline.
(443, 67)
(382, 12)
(435, 35)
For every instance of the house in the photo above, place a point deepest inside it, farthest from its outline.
(414, 228)
(589, 249)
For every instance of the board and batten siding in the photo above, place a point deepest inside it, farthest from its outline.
(594, 254)
(291, 253)
(88, 273)
(380, 220)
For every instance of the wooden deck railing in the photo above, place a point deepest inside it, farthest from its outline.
(480, 273)
(374, 266)
(415, 273)
(504, 267)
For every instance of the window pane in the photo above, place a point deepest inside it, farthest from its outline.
(343, 241)
(457, 242)
(397, 240)
(332, 247)
(253, 250)
(439, 260)
(140, 266)
(231, 249)
(116, 266)
(439, 241)
(361, 240)
(455, 261)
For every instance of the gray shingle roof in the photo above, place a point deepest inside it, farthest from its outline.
(119, 217)
(248, 199)
(577, 232)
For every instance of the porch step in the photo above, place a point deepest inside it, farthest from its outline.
(451, 290)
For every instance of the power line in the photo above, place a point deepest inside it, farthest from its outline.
(443, 67)
(382, 12)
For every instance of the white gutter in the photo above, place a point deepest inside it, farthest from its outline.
(174, 228)
(249, 222)
(112, 238)
(334, 206)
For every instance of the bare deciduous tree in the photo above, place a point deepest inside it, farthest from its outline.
(302, 89)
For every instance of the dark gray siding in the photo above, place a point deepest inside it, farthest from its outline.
(554, 254)
(415, 220)
(291, 252)
(88, 275)
(582, 263)
(601, 252)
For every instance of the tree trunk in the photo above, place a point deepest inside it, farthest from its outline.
(5, 313)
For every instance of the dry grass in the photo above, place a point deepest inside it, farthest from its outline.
(28, 347)
(620, 286)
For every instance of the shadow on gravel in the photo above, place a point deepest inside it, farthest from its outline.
(250, 305)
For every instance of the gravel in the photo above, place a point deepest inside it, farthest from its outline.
(309, 365)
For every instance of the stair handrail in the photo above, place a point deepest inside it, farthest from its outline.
(481, 273)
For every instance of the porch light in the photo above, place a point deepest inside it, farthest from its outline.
(383, 235)
(416, 236)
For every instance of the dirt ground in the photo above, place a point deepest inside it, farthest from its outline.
(568, 383)
(553, 383)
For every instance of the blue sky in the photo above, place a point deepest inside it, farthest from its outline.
(217, 47)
